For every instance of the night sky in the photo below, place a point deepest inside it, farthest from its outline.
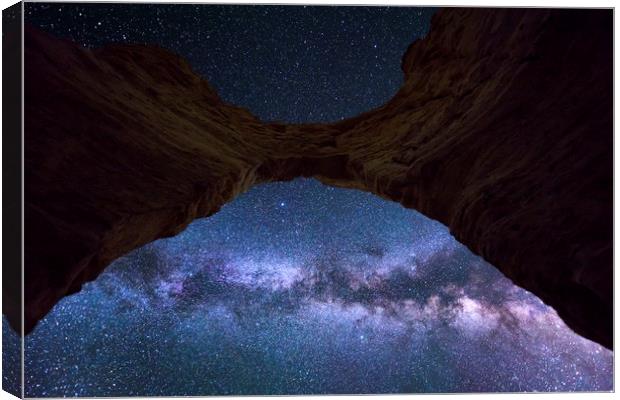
(285, 63)
(296, 287)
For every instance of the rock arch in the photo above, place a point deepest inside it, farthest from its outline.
(502, 131)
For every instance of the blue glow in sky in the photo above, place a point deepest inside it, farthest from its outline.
(302, 288)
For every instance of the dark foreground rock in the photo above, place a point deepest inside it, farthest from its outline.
(502, 131)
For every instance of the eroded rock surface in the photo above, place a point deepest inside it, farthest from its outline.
(502, 131)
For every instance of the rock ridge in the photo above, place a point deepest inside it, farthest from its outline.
(502, 130)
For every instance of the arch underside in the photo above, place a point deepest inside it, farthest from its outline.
(502, 131)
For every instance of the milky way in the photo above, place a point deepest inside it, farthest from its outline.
(296, 287)
(301, 288)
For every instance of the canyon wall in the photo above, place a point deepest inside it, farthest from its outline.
(502, 131)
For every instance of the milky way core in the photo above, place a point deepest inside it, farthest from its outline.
(302, 288)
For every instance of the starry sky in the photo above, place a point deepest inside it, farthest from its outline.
(284, 63)
(295, 287)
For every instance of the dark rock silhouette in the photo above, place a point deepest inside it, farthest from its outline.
(502, 131)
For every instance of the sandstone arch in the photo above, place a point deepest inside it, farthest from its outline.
(502, 131)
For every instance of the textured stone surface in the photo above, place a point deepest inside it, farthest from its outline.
(502, 131)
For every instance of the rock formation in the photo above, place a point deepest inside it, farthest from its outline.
(502, 131)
